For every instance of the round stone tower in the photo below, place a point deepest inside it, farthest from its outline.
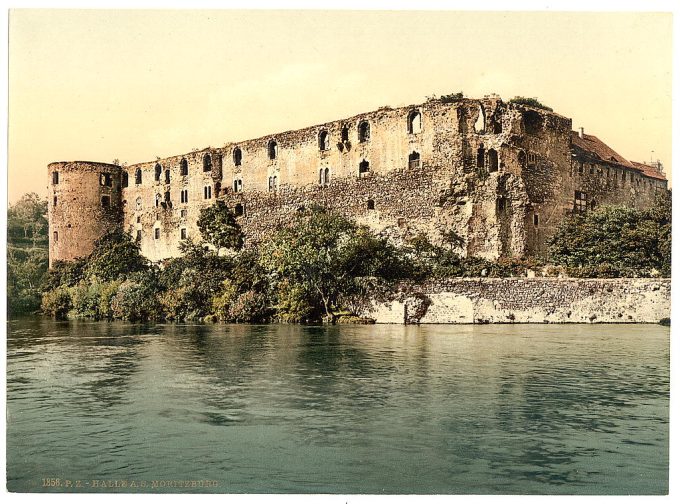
(84, 202)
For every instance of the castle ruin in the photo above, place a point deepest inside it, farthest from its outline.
(501, 175)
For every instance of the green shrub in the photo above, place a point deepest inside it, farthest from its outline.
(57, 302)
(250, 307)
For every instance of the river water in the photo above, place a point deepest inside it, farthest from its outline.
(554, 409)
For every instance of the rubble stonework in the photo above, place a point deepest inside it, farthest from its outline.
(501, 175)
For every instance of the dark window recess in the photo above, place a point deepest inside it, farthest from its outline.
(157, 172)
(167, 176)
(501, 204)
(414, 160)
(138, 237)
(183, 234)
(344, 134)
(124, 181)
(54, 203)
(239, 210)
(218, 186)
(272, 149)
(139, 219)
(238, 185)
(55, 177)
(326, 176)
(183, 168)
(166, 196)
(480, 157)
(364, 132)
(157, 233)
(580, 201)
(363, 167)
(55, 237)
(184, 196)
(158, 200)
(207, 163)
(105, 179)
(533, 122)
(493, 160)
(535, 219)
(182, 213)
(207, 192)
(138, 176)
(324, 141)
(238, 157)
(106, 201)
(370, 204)
(522, 159)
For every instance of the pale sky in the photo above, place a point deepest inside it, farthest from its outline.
(132, 85)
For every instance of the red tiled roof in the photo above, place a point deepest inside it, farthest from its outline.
(649, 171)
(596, 147)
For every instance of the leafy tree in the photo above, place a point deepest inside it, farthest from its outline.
(26, 220)
(115, 255)
(531, 102)
(218, 227)
(615, 241)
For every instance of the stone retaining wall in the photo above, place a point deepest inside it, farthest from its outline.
(530, 300)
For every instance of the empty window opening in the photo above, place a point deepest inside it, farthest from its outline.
(363, 167)
(480, 123)
(533, 123)
(182, 213)
(238, 210)
(166, 196)
(157, 233)
(54, 203)
(184, 196)
(370, 205)
(138, 176)
(238, 156)
(207, 192)
(321, 176)
(55, 177)
(106, 201)
(167, 176)
(344, 134)
(501, 204)
(580, 167)
(183, 167)
(207, 163)
(183, 234)
(105, 179)
(497, 126)
(580, 201)
(124, 181)
(415, 123)
(158, 200)
(326, 176)
(364, 131)
(324, 140)
(55, 237)
(272, 149)
(238, 185)
(272, 184)
(493, 160)
(480, 157)
(158, 169)
(535, 219)
(414, 160)
(138, 237)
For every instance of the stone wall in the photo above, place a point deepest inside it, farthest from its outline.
(530, 300)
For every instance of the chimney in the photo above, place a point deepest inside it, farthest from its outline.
(580, 132)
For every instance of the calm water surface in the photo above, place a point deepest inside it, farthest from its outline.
(577, 409)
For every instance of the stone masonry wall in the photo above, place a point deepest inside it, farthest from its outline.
(530, 300)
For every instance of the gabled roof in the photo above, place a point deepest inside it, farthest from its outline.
(597, 148)
(649, 171)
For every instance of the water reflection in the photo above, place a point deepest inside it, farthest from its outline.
(431, 409)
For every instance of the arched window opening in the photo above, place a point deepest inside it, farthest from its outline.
(167, 176)
(363, 167)
(326, 176)
(238, 156)
(158, 200)
(370, 205)
(207, 163)
(157, 233)
(157, 172)
(493, 161)
(344, 134)
(480, 123)
(55, 237)
(238, 185)
(364, 132)
(184, 167)
(272, 149)
(138, 176)
(324, 140)
(207, 192)
(415, 124)
(124, 182)
(184, 196)
(414, 160)
(480, 157)
(239, 210)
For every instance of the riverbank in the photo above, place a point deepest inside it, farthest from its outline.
(529, 300)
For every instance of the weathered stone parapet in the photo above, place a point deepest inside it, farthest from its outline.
(530, 300)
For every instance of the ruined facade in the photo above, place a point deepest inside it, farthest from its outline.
(500, 175)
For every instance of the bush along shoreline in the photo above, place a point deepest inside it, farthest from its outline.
(326, 268)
